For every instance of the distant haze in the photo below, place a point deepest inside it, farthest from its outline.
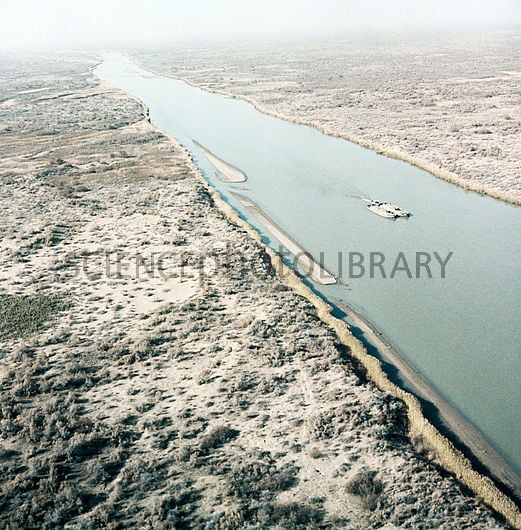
(79, 23)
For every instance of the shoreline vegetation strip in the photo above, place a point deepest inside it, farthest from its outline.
(448, 456)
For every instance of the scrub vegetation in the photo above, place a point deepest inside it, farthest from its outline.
(211, 398)
(24, 314)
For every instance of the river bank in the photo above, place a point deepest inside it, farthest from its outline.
(445, 451)
(433, 169)
(442, 414)
(452, 114)
(202, 399)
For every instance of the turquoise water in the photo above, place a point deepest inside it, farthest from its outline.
(462, 331)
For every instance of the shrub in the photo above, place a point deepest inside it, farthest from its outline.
(229, 520)
(295, 515)
(366, 487)
(217, 437)
(315, 453)
(86, 446)
(251, 480)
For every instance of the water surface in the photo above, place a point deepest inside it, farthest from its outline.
(460, 332)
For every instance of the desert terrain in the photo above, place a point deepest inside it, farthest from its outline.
(155, 372)
(449, 103)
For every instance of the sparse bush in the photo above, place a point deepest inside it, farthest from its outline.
(229, 520)
(172, 507)
(296, 515)
(217, 437)
(365, 486)
(315, 453)
(83, 447)
(329, 423)
(250, 480)
(420, 447)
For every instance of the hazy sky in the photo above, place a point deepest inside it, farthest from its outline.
(66, 23)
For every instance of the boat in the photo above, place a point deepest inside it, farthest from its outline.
(386, 209)
(377, 208)
(397, 211)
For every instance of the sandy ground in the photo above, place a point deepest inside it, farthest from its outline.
(228, 172)
(160, 374)
(450, 102)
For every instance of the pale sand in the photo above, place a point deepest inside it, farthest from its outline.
(230, 173)
(166, 291)
(304, 261)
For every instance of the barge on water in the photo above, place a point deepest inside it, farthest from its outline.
(386, 209)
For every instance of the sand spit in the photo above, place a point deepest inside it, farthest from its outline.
(304, 261)
(226, 403)
(404, 100)
(229, 172)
